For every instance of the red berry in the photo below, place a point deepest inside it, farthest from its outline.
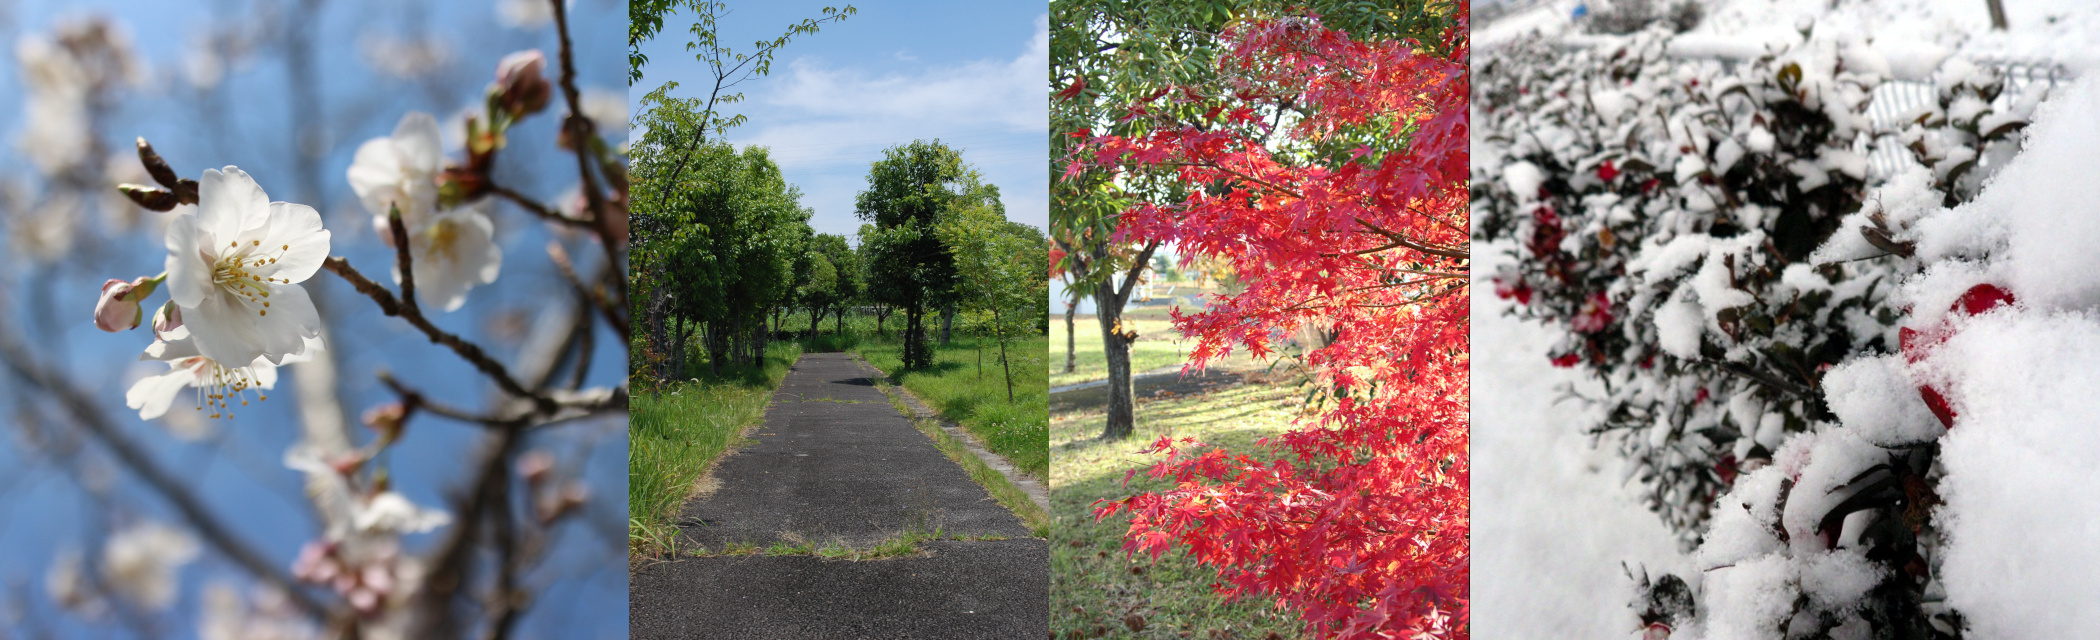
(1566, 360)
(1606, 171)
(1981, 298)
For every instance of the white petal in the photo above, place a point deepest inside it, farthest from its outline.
(375, 174)
(391, 511)
(229, 202)
(189, 275)
(172, 347)
(416, 139)
(224, 328)
(263, 373)
(295, 237)
(227, 328)
(152, 396)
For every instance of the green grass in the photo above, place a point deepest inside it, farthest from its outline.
(676, 435)
(975, 397)
(1096, 590)
(1158, 345)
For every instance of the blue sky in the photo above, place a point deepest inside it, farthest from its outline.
(243, 120)
(969, 73)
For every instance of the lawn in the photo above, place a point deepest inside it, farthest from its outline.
(966, 385)
(1158, 345)
(1097, 590)
(675, 435)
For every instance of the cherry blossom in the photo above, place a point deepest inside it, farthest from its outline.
(399, 171)
(234, 267)
(453, 252)
(139, 563)
(218, 386)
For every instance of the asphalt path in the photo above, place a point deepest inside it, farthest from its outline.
(836, 464)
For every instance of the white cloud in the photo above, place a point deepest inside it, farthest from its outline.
(825, 122)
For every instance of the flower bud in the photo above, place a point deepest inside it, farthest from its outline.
(118, 310)
(387, 420)
(520, 82)
(167, 319)
(535, 466)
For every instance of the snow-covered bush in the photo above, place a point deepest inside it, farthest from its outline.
(1772, 326)
(1665, 211)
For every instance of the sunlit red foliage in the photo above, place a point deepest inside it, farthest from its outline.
(1359, 519)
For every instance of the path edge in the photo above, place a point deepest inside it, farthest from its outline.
(954, 441)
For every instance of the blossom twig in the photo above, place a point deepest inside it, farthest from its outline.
(405, 308)
(527, 203)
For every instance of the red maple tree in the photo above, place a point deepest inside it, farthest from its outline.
(1357, 225)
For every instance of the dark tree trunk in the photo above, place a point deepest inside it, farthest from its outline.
(915, 337)
(881, 312)
(816, 315)
(1115, 344)
(1071, 339)
(840, 313)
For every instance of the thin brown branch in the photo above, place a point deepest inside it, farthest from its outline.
(581, 137)
(405, 308)
(536, 208)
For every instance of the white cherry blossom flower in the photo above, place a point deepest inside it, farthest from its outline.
(234, 269)
(139, 563)
(218, 386)
(400, 170)
(453, 252)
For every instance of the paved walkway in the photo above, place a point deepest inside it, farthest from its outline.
(836, 464)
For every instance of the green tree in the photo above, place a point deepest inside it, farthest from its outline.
(835, 280)
(909, 267)
(999, 267)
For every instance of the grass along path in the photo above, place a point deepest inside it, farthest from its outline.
(1096, 590)
(956, 387)
(676, 436)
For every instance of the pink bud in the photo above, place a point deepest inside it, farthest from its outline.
(387, 420)
(118, 310)
(535, 465)
(167, 319)
(523, 88)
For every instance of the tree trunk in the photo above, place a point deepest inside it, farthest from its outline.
(1071, 338)
(947, 323)
(1008, 367)
(914, 336)
(1997, 8)
(1122, 396)
(816, 315)
(840, 313)
(758, 343)
(881, 312)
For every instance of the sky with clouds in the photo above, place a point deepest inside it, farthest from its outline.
(968, 73)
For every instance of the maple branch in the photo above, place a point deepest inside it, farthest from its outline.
(1404, 241)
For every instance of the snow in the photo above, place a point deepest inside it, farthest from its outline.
(1530, 466)
(2022, 461)
(2049, 216)
(1868, 396)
